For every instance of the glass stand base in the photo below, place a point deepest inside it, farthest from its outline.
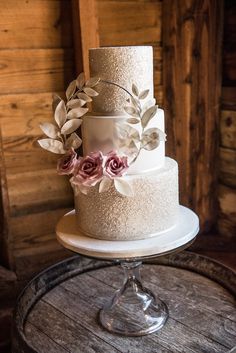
(134, 310)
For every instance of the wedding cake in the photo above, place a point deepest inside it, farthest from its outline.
(124, 186)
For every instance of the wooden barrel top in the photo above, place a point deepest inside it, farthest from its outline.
(58, 311)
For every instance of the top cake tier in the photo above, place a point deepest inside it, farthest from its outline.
(123, 66)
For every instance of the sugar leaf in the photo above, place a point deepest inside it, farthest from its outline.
(76, 113)
(90, 92)
(80, 81)
(93, 81)
(60, 113)
(74, 141)
(148, 115)
(84, 97)
(135, 90)
(75, 103)
(133, 120)
(70, 126)
(49, 129)
(151, 138)
(71, 89)
(123, 187)
(51, 145)
(55, 100)
(143, 94)
(105, 184)
(131, 110)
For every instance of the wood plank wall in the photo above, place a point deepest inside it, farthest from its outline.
(133, 23)
(36, 59)
(227, 177)
(192, 37)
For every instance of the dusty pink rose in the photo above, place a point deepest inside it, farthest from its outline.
(89, 170)
(68, 163)
(115, 166)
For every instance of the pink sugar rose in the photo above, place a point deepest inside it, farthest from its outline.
(115, 166)
(89, 170)
(68, 163)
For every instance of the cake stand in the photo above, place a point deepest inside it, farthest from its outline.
(134, 310)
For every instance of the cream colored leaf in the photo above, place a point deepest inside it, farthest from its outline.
(123, 187)
(143, 94)
(60, 113)
(76, 113)
(90, 92)
(71, 89)
(93, 81)
(84, 97)
(151, 138)
(148, 115)
(75, 103)
(55, 100)
(129, 149)
(80, 81)
(49, 129)
(105, 184)
(133, 120)
(74, 141)
(135, 90)
(127, 132)
(131, 111)
(51, 145)
(135, 102)
(70, 126)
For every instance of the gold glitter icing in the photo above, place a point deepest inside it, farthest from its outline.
(153, 208)
(124, 66)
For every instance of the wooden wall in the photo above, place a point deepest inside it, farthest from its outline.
(37, 51)
(227, 177)
(36, 59)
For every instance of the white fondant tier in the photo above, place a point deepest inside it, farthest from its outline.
(123, 66)
(100, 134)
(153, 208)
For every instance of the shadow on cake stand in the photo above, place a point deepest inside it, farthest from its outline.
(134, 310)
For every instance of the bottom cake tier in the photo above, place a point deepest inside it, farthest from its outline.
(153, 208)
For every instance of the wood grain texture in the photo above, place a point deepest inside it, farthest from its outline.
(192, 33)
(6, 254)
(86, 33)
(227, 201)
(227, 175)
(228, 129)
(228, 98)
(35, 70)
(20, 117)
(229, 51)
(36, 60)
(129, 22)
(40, 193)
(34, 24)
(67, 314)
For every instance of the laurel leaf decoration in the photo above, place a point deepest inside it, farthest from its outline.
(70, 126)
(51, 145)
(123, 187)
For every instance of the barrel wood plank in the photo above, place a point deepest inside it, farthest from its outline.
(58, 310)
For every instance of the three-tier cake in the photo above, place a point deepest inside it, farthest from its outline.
(124, 186)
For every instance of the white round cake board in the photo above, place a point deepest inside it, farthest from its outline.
(180, 235)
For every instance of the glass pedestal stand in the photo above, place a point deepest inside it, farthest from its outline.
(134, 310)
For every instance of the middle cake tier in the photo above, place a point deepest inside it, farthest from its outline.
(101, 133)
